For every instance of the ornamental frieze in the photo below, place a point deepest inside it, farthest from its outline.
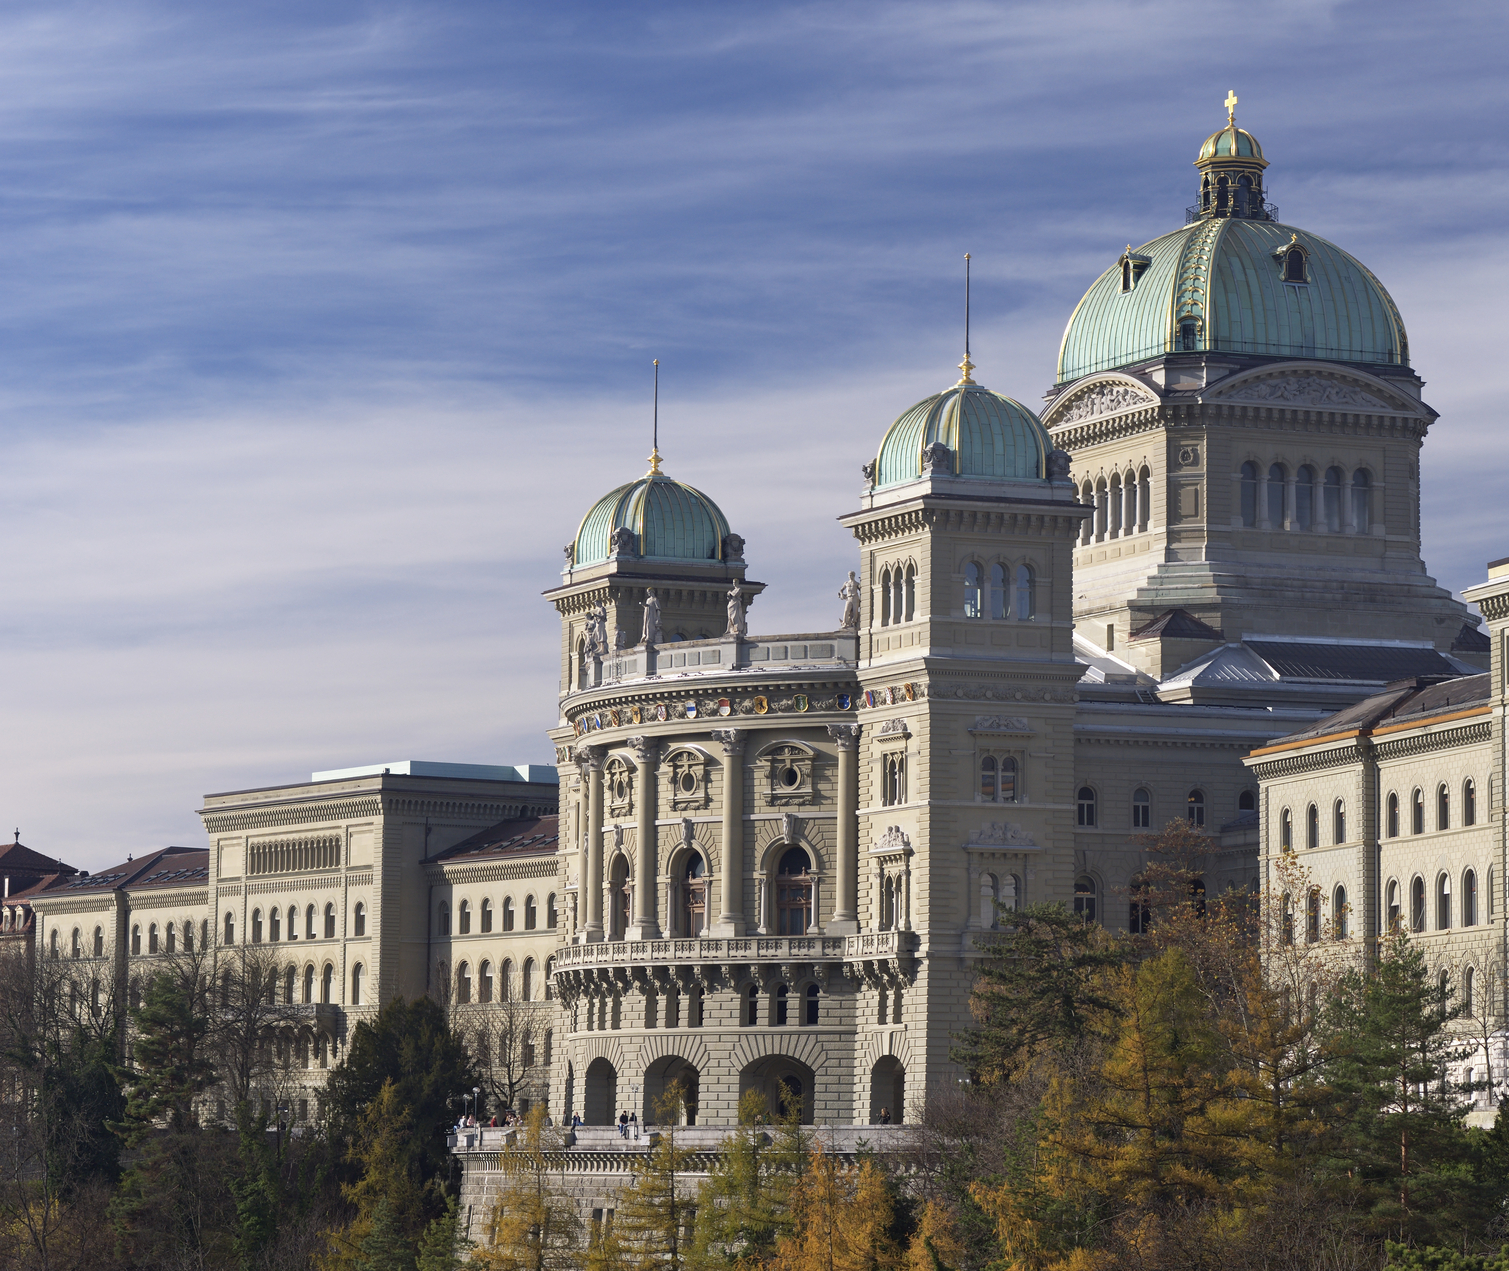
(1101, 399)
(1308, 390)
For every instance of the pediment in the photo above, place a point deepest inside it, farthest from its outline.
(1305, 385)
(1102, 396)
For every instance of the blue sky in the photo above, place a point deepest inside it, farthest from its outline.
(320, 325)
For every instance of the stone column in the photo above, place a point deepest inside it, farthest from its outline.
(644, 925)
(731, 920)
(845, 920)
(1128, 506)
(592, 880)
(1262, 518)
(1291, 521)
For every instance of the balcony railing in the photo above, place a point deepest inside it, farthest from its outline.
(1251, 209)
(874, 944)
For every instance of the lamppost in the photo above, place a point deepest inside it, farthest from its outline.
(476, 1108)
(282, 1112)
(634, 1108)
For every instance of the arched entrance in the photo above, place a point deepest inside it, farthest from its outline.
(600, 1093)
(620, 890)
(659, 1078)
(784, 1082)
(888, 1090)
(793, 893)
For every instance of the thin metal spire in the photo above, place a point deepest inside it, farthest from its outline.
(966, 366)
(655, 443)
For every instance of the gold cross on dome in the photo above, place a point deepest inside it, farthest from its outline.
(1231, 105)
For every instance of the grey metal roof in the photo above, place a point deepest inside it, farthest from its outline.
(1379, 663)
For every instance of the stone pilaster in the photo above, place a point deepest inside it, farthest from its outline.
(645, 925)
(731, 921)
(845, 920)
(591, 881)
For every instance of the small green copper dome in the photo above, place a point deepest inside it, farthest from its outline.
(1233, 285)
(668, 521)
(989, 436)
(1230, 142)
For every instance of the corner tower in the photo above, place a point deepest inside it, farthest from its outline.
(1242, 416)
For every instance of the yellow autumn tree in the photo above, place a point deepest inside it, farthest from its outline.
(532, 1226)
(841, 1219)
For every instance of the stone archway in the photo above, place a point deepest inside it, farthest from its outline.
(888, 1090)
(659, 1077)
(784, 1082)
(600, 1093)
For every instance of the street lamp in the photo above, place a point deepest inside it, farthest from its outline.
(477, 1107)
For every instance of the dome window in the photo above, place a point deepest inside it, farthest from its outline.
(1133, 266)
(1188, 338)
(1294, 261)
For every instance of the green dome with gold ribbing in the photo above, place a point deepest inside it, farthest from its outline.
(668, 520)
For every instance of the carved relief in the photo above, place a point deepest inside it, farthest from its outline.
(893, 840)
(1002, 724)
(1000, 834)
(1308, 390)
(1102, 399)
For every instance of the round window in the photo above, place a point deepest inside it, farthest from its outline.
(790, 778)
(688, 782)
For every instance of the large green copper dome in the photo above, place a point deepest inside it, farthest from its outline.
(1231, 284)
(989, 436)
(667, 521)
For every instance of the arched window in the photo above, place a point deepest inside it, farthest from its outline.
(1469, 989)
(77, 943)
(526, 981)
(54, 945)
(1247, 801)
(1417, 812)
(1189, 340)
(793, 893)
(1443, 902)
(1000, 592)
(885, 598)
(809, 1015)
(1126, 275)
(752, 1006)
(99, 942)
(694, 897)
(330, 922)
(1333, 500)
(782, 993)
(1470, 898)
(359, 920)
(1026, 593)
(972, 583)
(444, 919)
(1132, 502)
(1469, 803)
(1085, 897)
(1294, 266)
(1276, 481)
(1393, 815)
(1142, 809)
(898, 597)
(274, 925)
(1340, 918)
(1361, 502)
(508, 913)
(549, 979)
(1244, 195)
(911, 592)
(1312, 916)
(464, 918)
(309, 931)
(990, 774)
(1196, 807)
(309, 983)
(505, 981)
(1339, 821)
(327, 983)
(463, 982)
(531, 914)
(1394, 916)
(230, 929)
(204, 935)
(1086, 801)
(1286, 920)
(893, 780)
(357, 973)
(1304, 497)
(550, 914)
(172, 935)
(136, 939)
(485, 982)
(1417, 904)
(293, 926)
(1312, 826)
(1443, 807)
(256, 931)
(486, 915)
(1249, 494)
(1286, 831)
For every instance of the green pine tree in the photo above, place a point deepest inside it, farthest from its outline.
(443, 1247)
(737, 1215)
(653, 1225)
(384, 1247)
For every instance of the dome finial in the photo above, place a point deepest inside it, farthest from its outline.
(966, 366)
(1231, 105)
(655, 442)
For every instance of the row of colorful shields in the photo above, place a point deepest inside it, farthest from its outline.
(620, 717)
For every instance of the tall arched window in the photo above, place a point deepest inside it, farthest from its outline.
(136, 939)
(1469, 898)
(911, 592)
(1443, 902)
(793, 893)
(486, 915)
(1392, 906)
(1304, 497)
(1417, 812)
(1087, 526)
(1113, 506)
(1086, 806)
(550, 913)
(526, 981)
(1393, 815)
(1333, 500)
(309, 983)
(1000, 591)
(782, 997)
(309, 931)
(357, 974)
(998, 779)
(99, 942)
(1340, 918)
(1249, 494)
(694, 897)
(1469, 803)
(885, 598)
(1286, 831)
(274, 925)
(485, 982)
(1294, 265)
(752, 1006)
(464, 918)
(464, 983)
(1026, 593)
(1195, 805)
(1339, 821)
(1417, 904)
(230, 929)
(290, 986)
(505, 981)
(1312, 915)
(1469, 990)
(898, 597)
(1443, 807)
(810, 1013)
(508, 913)
(293, 926)
(1312, 826)
(973, 607)
(531, 914)
(327, 983)
(172, 935)
(1286, 920)
(1277, 479)
(1142, 809)
(359, 920)
(1361, 502)
(256, 929)
(443, 919)
(1085, 898)
(330, 922)
(893, 780)
(989, 775)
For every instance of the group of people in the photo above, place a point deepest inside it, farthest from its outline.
(505, 1120)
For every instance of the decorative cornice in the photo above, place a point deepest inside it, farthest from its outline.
(231, 820)
(1313, 761)
(496, 871)
(1425, 743)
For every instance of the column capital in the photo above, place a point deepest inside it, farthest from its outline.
(646, 750)
(591, 756)
(845, 735)
(732, 739)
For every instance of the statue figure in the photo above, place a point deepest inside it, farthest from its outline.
(597, 632)
(733, 547)
(651, 618)
(849, 594)
(1059, 464)
(622, 540)
(938, 460)
(869, 470)
(736, 625)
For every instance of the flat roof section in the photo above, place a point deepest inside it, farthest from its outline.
(427, 768)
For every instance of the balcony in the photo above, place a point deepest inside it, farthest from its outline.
(1251, 209)
(741, 950)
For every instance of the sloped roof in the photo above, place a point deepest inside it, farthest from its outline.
(521, 836)
(166, 867)
(1471, 639)
(1407, 702)
(1177, 624)
(1381, 663)
(17, 858)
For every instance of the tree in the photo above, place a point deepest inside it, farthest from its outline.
(738, 1210)
(841, 1220)
(442, 1246)
(532, 1227)
(383, 1247)
(1038, 984)
(655, 1217)
(247, 1018)
(504, 1037)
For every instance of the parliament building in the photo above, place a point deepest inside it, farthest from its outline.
(766, 861)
